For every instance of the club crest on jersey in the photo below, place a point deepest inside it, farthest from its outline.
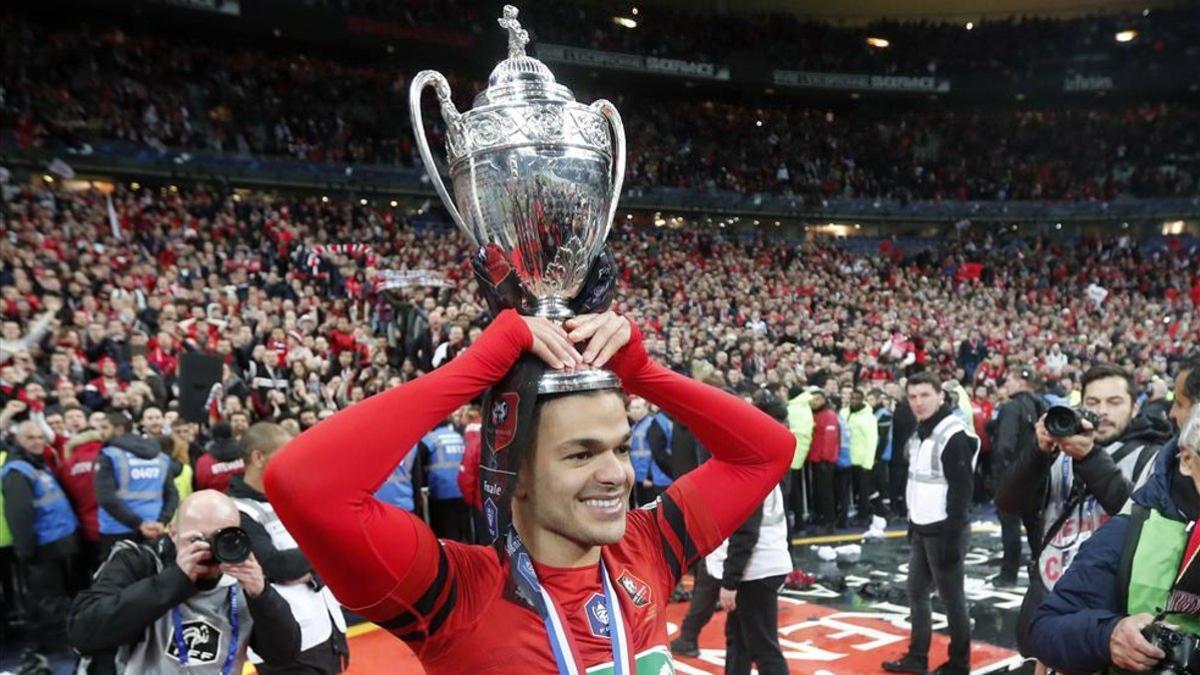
(638, 591)
(597, 615)
(504, 419)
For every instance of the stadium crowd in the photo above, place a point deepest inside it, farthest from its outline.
(287, 292)
(63, 89)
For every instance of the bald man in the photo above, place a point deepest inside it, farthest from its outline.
(170, 608)
(43, 526)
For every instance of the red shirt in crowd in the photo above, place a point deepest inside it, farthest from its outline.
(826, 436)
(214, 474)
(76, 473)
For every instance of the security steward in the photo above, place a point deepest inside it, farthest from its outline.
(442, 451)
(322, 625)
(43, 528)
(941, 465)
(170, 608)
(650, 436)
(134, 487)
(398, 489)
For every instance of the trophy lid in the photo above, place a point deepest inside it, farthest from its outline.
(520, 77)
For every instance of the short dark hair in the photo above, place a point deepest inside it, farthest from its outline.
(119, 421)
(1104, 371)
(1191, 383)
(523, 455)
(263, 436)
(923, 377)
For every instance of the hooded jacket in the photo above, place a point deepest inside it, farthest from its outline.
(106, 482)
(219, 464)
(826, 436)
(1071, 630)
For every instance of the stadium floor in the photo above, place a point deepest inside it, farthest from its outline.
(854, 618)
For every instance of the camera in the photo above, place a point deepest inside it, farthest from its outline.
(229, 545)
(1182, 650)
(1064, 421)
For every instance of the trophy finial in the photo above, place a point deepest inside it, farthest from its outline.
(517, 37)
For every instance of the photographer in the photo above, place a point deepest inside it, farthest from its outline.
(172, 608)
(1079, 477)
(1135, 571)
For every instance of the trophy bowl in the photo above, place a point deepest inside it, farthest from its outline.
(536, 178)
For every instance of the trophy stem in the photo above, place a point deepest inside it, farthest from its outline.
(553, 308)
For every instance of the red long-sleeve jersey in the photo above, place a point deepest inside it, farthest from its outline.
(445, 599)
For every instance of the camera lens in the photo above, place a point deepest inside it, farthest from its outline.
(1062, 421)
(230, 545)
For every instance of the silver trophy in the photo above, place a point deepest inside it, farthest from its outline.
(536, 179)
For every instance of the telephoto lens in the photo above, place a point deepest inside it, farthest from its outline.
(1064, 421)
(230, 545)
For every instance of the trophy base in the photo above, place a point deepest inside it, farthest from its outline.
(583, 380)
(553, 308)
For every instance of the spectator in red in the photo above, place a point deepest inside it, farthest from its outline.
(823, 455)
(76, 474)
(220, 462)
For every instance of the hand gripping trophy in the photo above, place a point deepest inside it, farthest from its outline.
(536, 177)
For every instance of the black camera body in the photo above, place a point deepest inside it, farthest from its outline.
(1064, 421)
(1182, 650)
(229, 545)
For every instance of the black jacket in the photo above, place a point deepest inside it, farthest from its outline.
(741, 547)
(660, 448)
(687, 453)
(19, 512)
(1027, 481)
(278, 566)
(1014, 434)
(904, 424)
(128, 594)
(106, 482)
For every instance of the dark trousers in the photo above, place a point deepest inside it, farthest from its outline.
(328, 658)
(899, 483)
(862, 490)
(450, 519)
(47, 601)
(881, 488)
(935, 563)
(795, 498)
(1010, 537)
(823, 492)
(843, 478)
(704, 603)
(752, 630)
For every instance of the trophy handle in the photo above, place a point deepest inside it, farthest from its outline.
(433, 78)
(609, 112)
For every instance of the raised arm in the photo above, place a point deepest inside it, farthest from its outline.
(377, 559)
(750, 452)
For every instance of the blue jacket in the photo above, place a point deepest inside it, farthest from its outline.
(1070, 631)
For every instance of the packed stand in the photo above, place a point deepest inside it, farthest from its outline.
(290, 295)
(160, 93)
